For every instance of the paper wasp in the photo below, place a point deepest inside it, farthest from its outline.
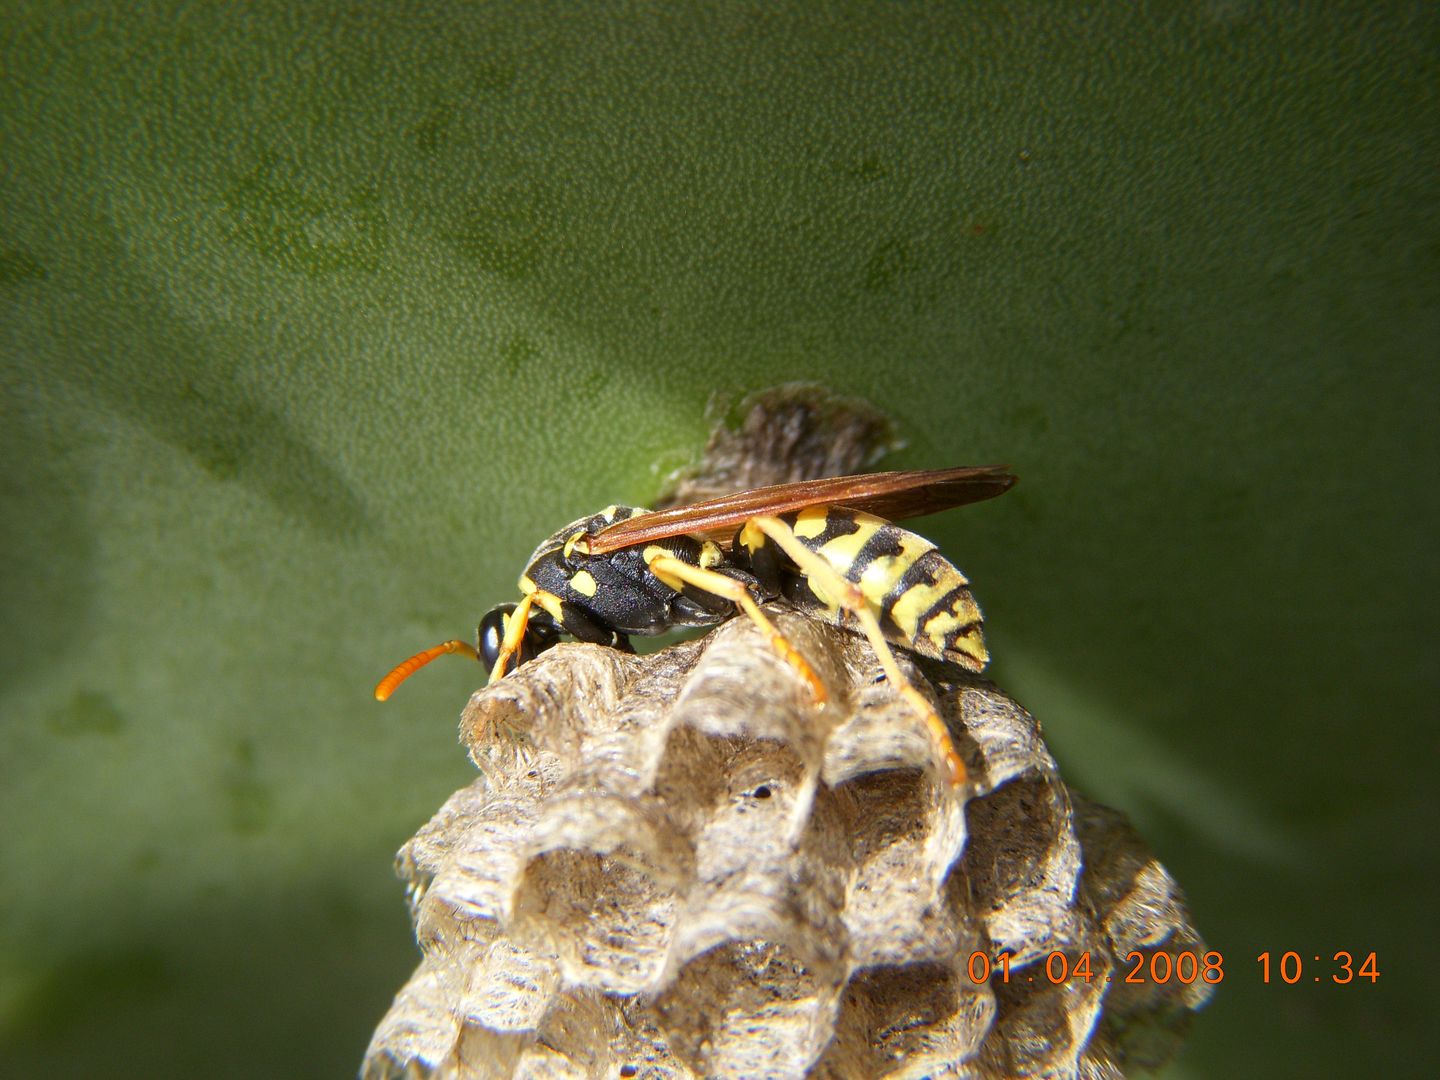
(825, 546)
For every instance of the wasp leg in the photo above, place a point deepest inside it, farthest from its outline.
(848, 595)
(515, 624)
(663, 566)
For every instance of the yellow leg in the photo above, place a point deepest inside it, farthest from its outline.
(848, 595)
(663, 566)
(515, 624)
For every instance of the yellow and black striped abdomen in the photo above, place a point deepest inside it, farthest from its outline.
(922, 601)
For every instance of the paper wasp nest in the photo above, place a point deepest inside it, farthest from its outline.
(677, 866)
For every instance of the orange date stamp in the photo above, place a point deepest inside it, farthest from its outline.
(1340, 968)
(1139, 967)
(1159, 967)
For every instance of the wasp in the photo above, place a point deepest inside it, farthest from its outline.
(828, 547)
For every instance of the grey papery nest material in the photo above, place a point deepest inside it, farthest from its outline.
(677, 866)
(785, 435)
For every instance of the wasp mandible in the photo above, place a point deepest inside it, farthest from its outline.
(828, 547)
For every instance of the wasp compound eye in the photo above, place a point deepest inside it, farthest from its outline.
(540, 633)
(491, 633)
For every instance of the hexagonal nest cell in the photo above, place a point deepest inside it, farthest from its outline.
(676, 865)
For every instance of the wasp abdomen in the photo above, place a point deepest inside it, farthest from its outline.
(923, 602)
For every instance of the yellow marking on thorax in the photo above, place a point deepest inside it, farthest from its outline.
(650, 554)
(551, 603)
(547, 600)
(574, 539)
(583, 583)
(710, 555)
(810, 522)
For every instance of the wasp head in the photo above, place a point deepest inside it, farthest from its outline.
(541, 632)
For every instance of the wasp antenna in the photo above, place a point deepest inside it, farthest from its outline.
(386, 686)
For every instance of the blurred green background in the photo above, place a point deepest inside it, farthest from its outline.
(314, 319)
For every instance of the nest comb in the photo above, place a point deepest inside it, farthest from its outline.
(676, 866)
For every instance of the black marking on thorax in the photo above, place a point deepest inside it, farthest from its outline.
(617, 588)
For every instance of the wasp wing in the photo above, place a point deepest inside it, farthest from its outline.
(892, 495)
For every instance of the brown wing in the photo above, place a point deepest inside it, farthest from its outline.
(892, 495)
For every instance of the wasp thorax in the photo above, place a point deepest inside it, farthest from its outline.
(569, 541)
